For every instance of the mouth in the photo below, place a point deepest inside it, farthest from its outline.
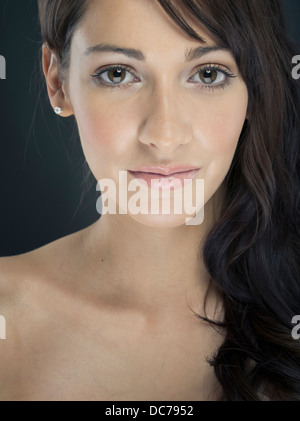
(165, 177)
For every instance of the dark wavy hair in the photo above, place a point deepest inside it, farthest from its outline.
(252, 252)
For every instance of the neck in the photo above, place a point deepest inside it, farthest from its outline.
(145, 267)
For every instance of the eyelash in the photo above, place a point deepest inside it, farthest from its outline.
(208, 67)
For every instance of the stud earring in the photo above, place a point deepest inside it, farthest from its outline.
(58, 110)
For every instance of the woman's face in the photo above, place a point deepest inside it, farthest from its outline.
(146, 99)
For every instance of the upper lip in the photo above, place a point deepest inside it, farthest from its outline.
(166, 170)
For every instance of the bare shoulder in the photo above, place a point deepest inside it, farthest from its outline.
(12, 270)
(18, 272)
(39, 260)
(28, 280)
(15, 275)
(32, 295)
(19, 275)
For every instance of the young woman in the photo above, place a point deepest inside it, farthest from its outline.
(149, 305)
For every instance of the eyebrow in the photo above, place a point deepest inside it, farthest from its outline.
(192, 54)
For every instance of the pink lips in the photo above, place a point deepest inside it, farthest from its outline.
(164, 177)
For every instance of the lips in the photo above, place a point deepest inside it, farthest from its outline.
(165, 177)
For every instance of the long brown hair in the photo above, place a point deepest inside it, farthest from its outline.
(252, 253)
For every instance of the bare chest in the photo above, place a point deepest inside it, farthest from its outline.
(68, 362)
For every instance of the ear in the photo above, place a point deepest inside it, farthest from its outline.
(55, 87)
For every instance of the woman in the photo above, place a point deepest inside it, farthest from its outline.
(176, 305)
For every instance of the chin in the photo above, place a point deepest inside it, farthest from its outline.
(168, 221)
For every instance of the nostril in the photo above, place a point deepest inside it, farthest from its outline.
(165, 128)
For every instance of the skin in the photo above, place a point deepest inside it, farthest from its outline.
(106, 312)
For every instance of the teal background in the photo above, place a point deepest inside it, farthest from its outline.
(42, 178)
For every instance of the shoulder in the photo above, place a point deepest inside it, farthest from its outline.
(20, 277)
(15, 275)
(12, 270)
(40, 309)
(20, 273)
(30, 293)
(27, 278)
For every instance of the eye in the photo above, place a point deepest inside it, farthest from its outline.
(211, 76)
(117, 75)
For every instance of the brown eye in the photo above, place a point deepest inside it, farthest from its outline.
(116, 75)
(213, 77)
(208, 75)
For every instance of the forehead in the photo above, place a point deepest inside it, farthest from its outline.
(140, 24)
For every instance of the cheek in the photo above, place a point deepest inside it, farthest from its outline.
(218, 134)
(106, 133)
(221, 127)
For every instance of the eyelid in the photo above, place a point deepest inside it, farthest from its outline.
(214, 66)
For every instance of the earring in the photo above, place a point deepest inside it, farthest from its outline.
(58, 110)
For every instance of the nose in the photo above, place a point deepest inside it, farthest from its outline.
(164, 126)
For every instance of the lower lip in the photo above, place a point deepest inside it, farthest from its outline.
(165, 182)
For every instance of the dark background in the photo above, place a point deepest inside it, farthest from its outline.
(43, 192)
